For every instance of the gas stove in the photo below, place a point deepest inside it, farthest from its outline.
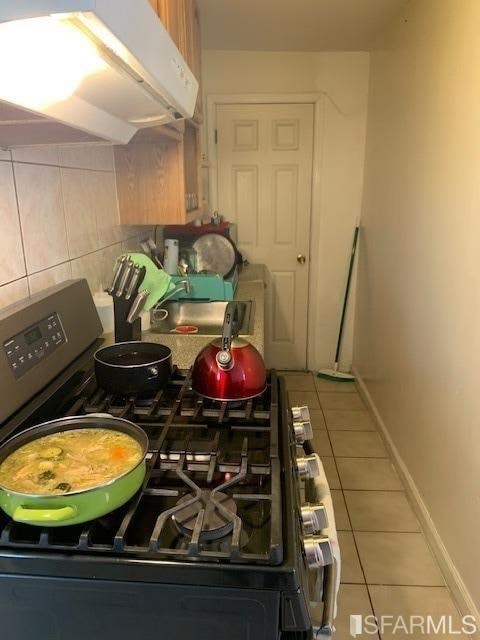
(232, 531)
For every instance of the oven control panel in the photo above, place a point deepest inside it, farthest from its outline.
(28, 348)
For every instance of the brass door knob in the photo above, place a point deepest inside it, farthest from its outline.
(301, 258)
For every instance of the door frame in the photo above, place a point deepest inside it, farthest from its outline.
(318, 102)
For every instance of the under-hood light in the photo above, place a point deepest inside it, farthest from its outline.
(48, 58)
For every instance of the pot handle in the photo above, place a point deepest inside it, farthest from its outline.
(52, 514)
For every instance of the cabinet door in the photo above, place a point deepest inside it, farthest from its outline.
(182, 21)
(193, 51)
(151, 182)
(154, 5)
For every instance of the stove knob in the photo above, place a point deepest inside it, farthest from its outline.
(302, 430)
(309, 466)
(317, 551)
(314, 518)
(301, 413)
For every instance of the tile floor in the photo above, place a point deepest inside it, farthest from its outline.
(387, 566)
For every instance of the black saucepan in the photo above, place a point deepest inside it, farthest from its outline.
(132, 367)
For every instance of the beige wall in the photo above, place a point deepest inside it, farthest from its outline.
(344, 78)
(417, 337)
(58, 218)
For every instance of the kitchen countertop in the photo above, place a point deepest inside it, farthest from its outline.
(251, 286)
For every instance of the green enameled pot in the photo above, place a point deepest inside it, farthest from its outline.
(74, 507)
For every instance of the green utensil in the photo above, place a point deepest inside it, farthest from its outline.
(156, 280)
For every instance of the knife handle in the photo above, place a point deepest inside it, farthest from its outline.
(134, 282)
(116, 274)
(137, 306)
(127, 269)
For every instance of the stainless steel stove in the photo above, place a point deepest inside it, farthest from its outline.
(232, 532)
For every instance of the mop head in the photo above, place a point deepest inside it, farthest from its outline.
(337, 376)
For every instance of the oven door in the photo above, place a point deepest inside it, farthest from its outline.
(323, 580)
(42, 608)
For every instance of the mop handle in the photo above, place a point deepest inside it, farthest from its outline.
(345, 300)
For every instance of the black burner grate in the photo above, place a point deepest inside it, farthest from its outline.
(204, 456)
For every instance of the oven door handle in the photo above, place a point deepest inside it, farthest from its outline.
(327, 582)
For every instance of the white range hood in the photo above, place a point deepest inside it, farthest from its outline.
(104, 67)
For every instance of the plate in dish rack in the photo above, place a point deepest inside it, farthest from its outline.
(215, 254)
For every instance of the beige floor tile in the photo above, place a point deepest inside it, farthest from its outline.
(368, 474)
(317, 419)
(358, 444)
(415, 601)
(300, 382)
(380, 511)
(331, 472)
(348, 420)
(352, 600)
(299, 398)
(351, 571)
(337, 387)
(397, 559)
(321, 443)
(341, 515)
(341, 401)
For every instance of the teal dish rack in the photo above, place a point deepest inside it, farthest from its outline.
(207, 286)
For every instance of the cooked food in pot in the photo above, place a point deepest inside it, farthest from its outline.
(69, 461)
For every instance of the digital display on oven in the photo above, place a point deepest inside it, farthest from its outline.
(30, 347)
(33, 335)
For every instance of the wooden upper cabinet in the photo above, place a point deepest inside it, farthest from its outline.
(194, 51)
(182, 21)
(172, 14)
(159, 174)
(154, 178)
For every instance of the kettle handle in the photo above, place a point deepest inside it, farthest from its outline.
(232, 322)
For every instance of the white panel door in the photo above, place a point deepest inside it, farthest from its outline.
(264, 160)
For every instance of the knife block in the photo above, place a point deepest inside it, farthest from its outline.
(124, 331)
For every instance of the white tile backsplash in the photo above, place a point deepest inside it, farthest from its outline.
(108, 261)
(59, 219)
(132, 245)
(12, 261)
(36, 155)
(96, 157)
(39, 191)
(79, 188)
(13, 292)
(106, 207)
(49, 277)
(89, 267)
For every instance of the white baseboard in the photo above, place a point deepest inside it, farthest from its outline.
(452, 577)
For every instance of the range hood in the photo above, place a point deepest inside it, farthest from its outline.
(106, 68)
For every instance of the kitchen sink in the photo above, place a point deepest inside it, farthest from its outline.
(206, 316)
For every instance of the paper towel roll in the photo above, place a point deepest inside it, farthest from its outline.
(104, 304)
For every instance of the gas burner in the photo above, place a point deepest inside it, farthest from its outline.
(216, 523)
(194, 445)
(233, 404)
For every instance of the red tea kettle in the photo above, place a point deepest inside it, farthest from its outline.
(229, 368)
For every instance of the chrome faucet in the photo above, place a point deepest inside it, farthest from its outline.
(158, 307)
